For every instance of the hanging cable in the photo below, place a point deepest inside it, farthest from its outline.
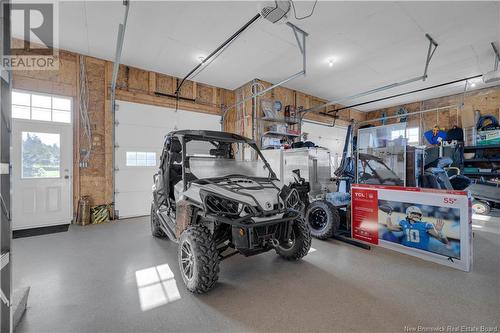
(306, 16)
(84, 114)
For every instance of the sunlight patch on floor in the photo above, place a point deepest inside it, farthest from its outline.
(156, 286)
(312, 249)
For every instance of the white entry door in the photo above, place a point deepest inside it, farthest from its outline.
(42, 160)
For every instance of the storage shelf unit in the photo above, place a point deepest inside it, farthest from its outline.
(481, 173)
(487, 157)
(482, 147)
(280, 134)
(286, 120)
(474, 160)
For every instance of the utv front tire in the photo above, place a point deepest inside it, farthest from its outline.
(198, 259)
(323, 219)
(299, 244)
(155, 224)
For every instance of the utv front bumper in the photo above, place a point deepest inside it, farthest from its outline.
(255, 235)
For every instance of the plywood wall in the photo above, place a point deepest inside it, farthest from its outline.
(234, 121)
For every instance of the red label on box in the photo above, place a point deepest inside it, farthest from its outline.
(364, 215)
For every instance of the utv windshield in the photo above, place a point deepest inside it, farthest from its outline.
(375, 172)
(209, 159)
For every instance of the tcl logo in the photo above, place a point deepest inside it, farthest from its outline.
(450, 201)
(359, 195)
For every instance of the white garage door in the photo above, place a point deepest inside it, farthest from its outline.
(139, 136)
(332, 138)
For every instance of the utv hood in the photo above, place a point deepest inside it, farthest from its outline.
(246, 190)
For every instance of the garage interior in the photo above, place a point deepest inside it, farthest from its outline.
(389, 110)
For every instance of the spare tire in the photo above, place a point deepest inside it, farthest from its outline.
(323, 219)
(481, 207)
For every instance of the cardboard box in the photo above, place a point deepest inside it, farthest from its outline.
(491, 137)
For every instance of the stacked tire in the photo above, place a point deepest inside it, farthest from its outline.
(323, 219)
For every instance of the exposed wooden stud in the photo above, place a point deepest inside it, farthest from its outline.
(152, 82)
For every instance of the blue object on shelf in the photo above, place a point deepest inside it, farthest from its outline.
(277, 106)
(434, 140)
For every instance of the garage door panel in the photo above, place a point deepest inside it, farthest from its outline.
(140, 136)
(138, 203)
(124, 177)
(142, 128)
(196, 120)
(146, 115)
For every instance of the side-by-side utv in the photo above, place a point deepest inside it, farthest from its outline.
(216, 195)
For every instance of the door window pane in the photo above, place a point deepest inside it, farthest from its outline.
(41, 107)
(41, 155)
(131, 158)
(151, 159)
(20, 112)
(61, 103)
(139, 158)
(41, 101)
(19, 98)
(41, 114)
(61, 116)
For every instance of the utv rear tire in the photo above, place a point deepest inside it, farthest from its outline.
(297, 247)
(323, 219)
(198, 259)
(155, 224)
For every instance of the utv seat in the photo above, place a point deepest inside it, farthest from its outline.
(175, 176)
(437, 178)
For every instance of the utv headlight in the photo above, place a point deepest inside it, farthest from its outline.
(221, 206)
(291, 198)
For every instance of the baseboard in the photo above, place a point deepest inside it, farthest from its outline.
(40, 231)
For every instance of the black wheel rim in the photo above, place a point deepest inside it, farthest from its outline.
(318, 219)
(187, 260)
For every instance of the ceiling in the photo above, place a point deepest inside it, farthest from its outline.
(373, 43)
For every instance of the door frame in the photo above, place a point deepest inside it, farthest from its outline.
(74, 153)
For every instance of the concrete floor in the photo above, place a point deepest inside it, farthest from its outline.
(96, 279)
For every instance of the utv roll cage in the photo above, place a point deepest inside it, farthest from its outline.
(184, 136)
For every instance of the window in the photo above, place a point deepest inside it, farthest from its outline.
(412, 134)
(139, 158)
(41, 155)
(41, 107)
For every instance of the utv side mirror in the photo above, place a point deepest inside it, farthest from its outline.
(297, 176)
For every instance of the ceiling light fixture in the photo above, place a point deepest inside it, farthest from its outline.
(331, 61)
